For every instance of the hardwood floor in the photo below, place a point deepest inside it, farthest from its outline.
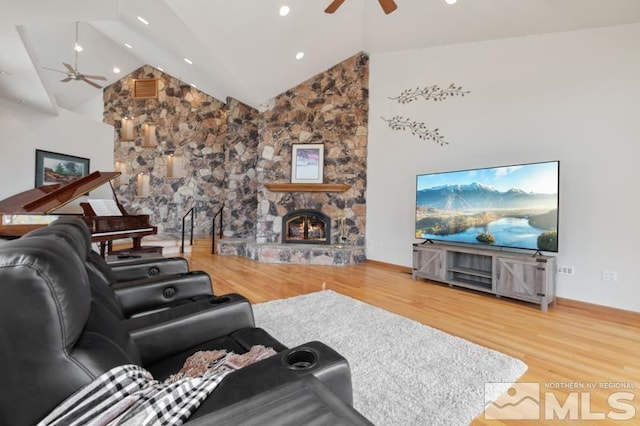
(573, 344)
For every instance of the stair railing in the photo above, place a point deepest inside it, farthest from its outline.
(213, 228)
(192, 212)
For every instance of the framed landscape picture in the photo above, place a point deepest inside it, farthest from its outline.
(53, 167)
(307, 163)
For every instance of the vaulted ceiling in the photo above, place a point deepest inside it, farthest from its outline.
(244, 48)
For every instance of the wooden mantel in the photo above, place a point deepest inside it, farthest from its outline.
(307, 187)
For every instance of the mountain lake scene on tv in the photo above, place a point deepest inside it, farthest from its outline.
(515, 206)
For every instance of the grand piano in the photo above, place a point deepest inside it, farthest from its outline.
(49, 199)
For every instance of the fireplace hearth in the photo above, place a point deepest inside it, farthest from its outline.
(306, 227)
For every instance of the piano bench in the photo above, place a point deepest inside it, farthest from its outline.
(124, 257)
(136, 251)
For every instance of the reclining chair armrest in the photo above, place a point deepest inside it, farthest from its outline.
(307, 399)
(139, 295)
(329, 367)
(165, 333)
(146, 268)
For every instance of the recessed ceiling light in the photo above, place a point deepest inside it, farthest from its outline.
(299, 55)
(3, 72)
(144, 21)
(77, 47)
(116, 70)
(189, 61)
(284, 10)
(451, 1)
(128, 45)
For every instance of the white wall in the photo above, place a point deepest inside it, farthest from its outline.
(92, 108)
(24, 129)
(573, 97)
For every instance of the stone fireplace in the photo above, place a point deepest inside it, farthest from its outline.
(332, 109)
(307, 227)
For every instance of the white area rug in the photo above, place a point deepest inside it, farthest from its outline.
(404, 373)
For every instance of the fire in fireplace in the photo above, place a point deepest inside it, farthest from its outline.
(306, 226)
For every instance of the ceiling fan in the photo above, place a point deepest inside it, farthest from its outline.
(72, 71)
(387, 5)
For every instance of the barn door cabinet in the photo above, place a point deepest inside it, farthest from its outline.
(521, 276)
(428, 263)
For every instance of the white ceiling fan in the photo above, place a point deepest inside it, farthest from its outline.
(72, 72)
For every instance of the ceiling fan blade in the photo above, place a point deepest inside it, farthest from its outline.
(66, 80)
(69, 67)
(388, 6)
(97, 86)
(53, 69)
(334, 6)
(95, 77)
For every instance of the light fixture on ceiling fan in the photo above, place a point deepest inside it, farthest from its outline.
(72, 71)
(387, 5)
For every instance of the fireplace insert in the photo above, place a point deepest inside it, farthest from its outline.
(306, 226)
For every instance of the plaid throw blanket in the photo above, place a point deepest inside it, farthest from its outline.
(128, 395)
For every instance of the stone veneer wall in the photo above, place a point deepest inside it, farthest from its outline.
(330, 108)
(231, 150)
(241, 157)
(213, 139)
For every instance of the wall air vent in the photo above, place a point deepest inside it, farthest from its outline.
(145, 88)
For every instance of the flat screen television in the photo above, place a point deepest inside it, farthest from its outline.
(507, 206)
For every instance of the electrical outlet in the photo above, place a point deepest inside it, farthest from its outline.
(609, 276)
(566, 270)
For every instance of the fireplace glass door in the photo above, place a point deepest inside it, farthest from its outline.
(306, 226)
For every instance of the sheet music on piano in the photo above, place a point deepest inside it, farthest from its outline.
(105, 207)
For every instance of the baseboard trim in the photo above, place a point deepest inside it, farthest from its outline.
(391, 266)
(606, 313)
(601, 312)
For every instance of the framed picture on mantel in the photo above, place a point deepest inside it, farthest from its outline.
(307, 163)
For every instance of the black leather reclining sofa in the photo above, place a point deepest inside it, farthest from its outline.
(61, 327)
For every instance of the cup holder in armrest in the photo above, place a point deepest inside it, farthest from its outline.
(219, 300)
(301, 359)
